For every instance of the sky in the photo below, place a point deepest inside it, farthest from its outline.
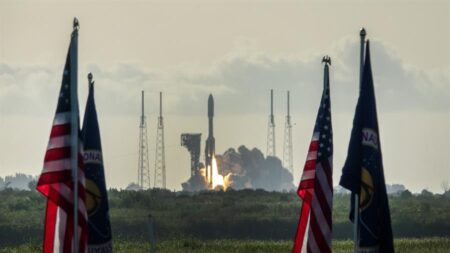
(238, 51)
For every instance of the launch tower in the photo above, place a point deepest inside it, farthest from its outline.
(143, 165)
(192, 143)
(271, 130)
(160, 159)
(287, 145)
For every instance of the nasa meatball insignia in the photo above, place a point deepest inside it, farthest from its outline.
(367, 189)
(93, 197)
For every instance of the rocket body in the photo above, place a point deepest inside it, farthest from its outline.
(210, 148)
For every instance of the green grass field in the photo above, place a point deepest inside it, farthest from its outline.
(248, 221)
(429, 245)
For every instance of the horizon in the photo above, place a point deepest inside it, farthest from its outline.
(337, 189)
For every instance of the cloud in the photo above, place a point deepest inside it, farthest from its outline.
(398, 86)
(240, 83)
(25, 90)
(243, 81)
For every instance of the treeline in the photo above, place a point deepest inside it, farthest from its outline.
(19, 181)
(246, 214)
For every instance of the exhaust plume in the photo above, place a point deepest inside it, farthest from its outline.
(246, 169)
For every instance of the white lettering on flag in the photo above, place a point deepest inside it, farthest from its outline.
(369, 138)
(93, 156)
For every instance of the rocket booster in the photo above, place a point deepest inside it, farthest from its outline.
(210, 115)
(210, 149)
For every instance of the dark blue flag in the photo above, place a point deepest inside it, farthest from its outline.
(363, 172)
(100, 238)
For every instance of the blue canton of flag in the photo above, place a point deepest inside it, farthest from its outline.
(363, 172)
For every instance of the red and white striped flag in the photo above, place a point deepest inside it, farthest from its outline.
(56, 179)
(316, 186)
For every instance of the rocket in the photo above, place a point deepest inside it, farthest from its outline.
(210, 149)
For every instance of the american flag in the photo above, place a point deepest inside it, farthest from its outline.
(315, 189)
(56, 181)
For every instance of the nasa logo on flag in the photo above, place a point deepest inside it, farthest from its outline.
(93, 197)
(369, 138)
(367, 189)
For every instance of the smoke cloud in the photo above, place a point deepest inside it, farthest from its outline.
(246, 169)
(196, 182)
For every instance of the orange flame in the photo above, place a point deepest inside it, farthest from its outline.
(216, 179)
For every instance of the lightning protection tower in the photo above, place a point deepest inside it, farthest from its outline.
(143, 164)
(287, 145)
(160, 159)
(271, 130)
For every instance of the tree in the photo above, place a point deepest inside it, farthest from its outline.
(426, 193)
(32, 185)
(406, 194)
(444, 186)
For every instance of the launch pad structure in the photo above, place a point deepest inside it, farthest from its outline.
(287, 142)
(160, 157)
(143, 161)
(287, 145)
(271, 130)
(192, 143)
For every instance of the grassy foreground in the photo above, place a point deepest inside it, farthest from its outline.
(430, 245)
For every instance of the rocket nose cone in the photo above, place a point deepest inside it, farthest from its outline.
(210, 106)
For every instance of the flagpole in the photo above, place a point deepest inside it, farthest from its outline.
(74, 128)
(362, 35)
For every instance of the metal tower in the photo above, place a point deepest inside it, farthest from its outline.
(143, 165)
(271, 130)
(287, 145)
(160, 159)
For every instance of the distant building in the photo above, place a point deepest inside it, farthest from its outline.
(133, 187)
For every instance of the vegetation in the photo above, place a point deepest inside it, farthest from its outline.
(262, 218)
(410, 245)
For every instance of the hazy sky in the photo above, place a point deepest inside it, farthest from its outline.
(238, 51)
